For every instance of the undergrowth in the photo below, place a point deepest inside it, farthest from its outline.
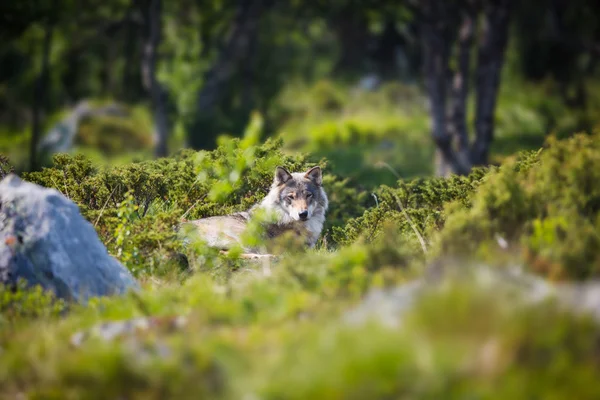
(137, 208)
(277, 329)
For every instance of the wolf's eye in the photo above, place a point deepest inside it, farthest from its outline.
(309, 194)
(290, 197)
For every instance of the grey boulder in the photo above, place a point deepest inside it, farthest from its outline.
(45, 240)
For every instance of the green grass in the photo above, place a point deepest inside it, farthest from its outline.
(282, 335)
(277, 330)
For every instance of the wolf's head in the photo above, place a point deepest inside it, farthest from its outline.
(300, 193)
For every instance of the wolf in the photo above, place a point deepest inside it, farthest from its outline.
(297, 201)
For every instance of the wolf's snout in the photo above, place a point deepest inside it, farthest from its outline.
(303, 215)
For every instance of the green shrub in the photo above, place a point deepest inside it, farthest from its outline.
(423, 201)
(456, 342)
(22, 303)
(550, 206)
(327, 96)
(345, 202)
(112, 134)
(281, 336)
(5, 166)
(542, 203)
(136, 207)
(273, 329)
(260, 305)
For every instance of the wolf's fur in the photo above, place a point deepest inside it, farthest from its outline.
(297, 200)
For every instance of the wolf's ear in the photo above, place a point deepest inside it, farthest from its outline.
(282, 175)
(315, 175)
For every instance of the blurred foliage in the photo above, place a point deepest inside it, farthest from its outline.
(275, 328)
(5, 166)
(422, 200)
(111, 135)
(456, 343)
(280, 336)
(357, 130)
(375, 137)
(541, 203)
(549, 205)
(22, 302)
(136, 207)
(301, 72)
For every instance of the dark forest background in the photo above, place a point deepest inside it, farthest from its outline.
(363, 83)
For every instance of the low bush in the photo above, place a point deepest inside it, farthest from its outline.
(277, 329)
(137, 207)
(549, 209)
(130, 130)
(458, 342)
(283, 335)
(5, 166)
(543, 205)
(413, 205)
(21, 303)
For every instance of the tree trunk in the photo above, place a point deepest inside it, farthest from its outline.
(352, 31)
(489, 67)
(130, 68)
(149, 58)
(236, 49)
(457, 125)
(437, 23)
(386, 53)
(436, 35)
(41, 85)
